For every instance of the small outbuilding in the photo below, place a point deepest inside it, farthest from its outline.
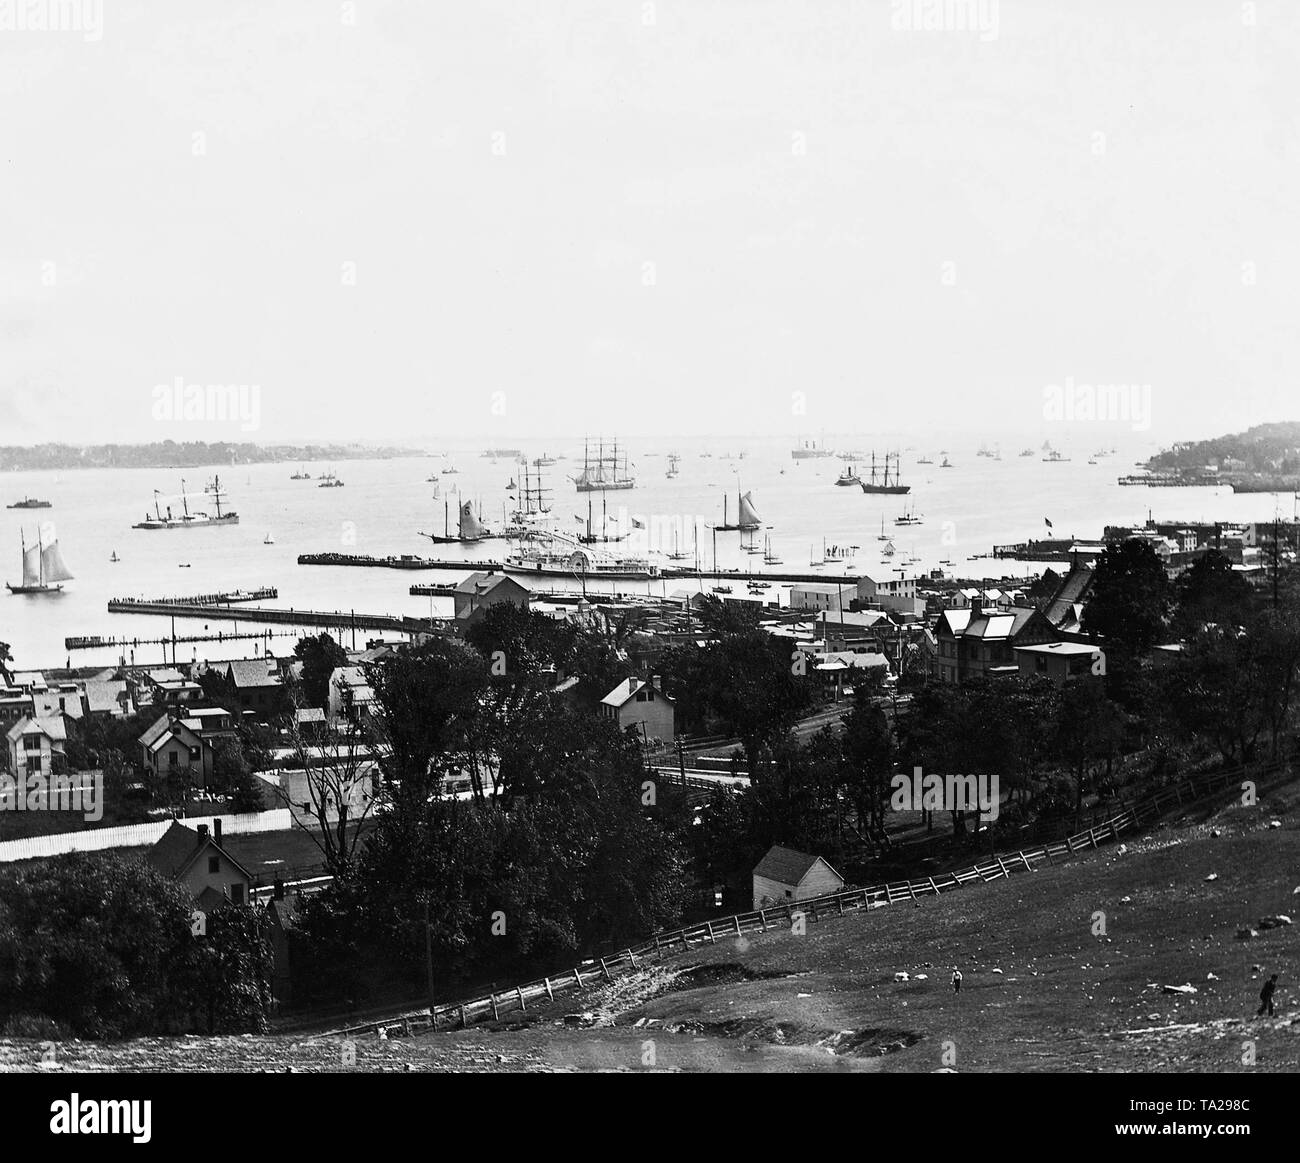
(785, 876)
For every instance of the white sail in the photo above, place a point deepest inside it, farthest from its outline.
(471, 529)
(56, 569)
(748, 515)
(31, 565)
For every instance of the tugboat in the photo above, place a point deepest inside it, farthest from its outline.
(848, 476)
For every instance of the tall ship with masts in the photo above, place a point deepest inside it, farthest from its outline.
(469, 528)
(882, 482)
(44, 569)
(187, 518)
(603, 471)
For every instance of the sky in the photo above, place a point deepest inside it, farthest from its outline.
(404, 222)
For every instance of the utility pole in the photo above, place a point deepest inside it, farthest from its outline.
(428, 953)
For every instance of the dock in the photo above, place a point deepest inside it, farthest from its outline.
(104, 642)
(670, 573)
(336, 619)
(224, 598)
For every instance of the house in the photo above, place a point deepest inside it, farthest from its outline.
(976, 642)
(481, 590)
(165, 685)
(257, 684)
(35, 745)
(895, 594)
(108, 699)
(784, 875)
(170, 747)
(1055, 660)
(1064, 610)
(351, 695)
(211, 723)
(644, 707)
(197, 859)
(15, 704)
(63, 698)
(310, 723)
(829, 596)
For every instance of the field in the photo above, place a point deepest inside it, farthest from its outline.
(1045, 989)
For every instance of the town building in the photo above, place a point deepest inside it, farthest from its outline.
(171, 748)
(36, 745)
(1057, 661)
(197, 859)
(258, 687)
(642, 705)
(351, 695)
(975, 643)
(829, 596)
(481, 590)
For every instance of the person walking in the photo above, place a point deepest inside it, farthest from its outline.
(1266, 997)
(956, 980)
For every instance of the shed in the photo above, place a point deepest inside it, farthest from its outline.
(784, 875)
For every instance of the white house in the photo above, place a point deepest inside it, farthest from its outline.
(33, 744)
(786, 876)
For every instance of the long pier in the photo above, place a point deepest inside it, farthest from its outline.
(103, 642)
(341, 619)
(224, 598)
(669, 573)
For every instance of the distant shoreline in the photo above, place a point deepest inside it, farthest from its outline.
(171, 455)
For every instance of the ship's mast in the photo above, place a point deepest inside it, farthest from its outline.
(185, 504)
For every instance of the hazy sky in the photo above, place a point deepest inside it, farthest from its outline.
(651, 218)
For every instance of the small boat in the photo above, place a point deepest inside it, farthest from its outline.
(44, 569)
(1027, 452)
(908, 517)
(848, 476)
(115, 557)
(769, 558)
(724, 589)
(333, 483)
(30, 503)
(514, 484)
(924, 460)
(183, 565)
(888, 550)
(945, 463)
(882, 535)
(268, 539)
(300, 475)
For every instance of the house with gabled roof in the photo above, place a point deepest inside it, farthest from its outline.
(977, 642)
(642, 705)
(170, 747)
(785, 876)
(35, 744)
(197, 859)
(258, 685)
(481, 590)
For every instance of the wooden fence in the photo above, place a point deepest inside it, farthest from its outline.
(995, 867)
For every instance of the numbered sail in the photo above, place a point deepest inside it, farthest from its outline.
(748, 514)
(471, 529)
(56, 569)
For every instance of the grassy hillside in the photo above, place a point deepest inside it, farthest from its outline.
(1041, 992)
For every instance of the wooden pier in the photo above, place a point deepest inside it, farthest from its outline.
(225, 598)
(337, 619)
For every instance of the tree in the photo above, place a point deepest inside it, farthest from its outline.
(103, 945)
(233, 774)
(1131, 599)
(1210, 591)
(320, 656)
(868, 752)
(5, 659)
(1088, 730)
(1218, 691)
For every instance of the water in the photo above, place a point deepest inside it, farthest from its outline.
(967, 509)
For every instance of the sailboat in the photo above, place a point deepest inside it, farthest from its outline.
(469, 529)
(888, 550)
(301, 475)
(268, 539)
(115, 557)
(882, 535)
(769, 558)
(908, 517)
(748, 517)
(673, 461)
(44, 569)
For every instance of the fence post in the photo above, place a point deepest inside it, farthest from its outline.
(1028, 867)
(934, 888)
(463, 1022)
(549, 991)
(605, 970)
(632, 958)
(839, 900)
(762, 919)
(1069, 847)
(496, 1015)
(577, 977)
(712, 939)
(1003, 867)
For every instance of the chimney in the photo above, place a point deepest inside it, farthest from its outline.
(277, 890)
(216, 829)
(203, 831)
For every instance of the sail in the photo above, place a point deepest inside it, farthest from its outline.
(32, 565)
(56, 569)
(748, 515)
(470, 527)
